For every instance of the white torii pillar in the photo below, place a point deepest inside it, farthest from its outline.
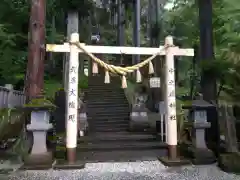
(170, 99)
(72, 101)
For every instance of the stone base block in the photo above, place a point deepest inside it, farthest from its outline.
(38, 161)
(197, 156)
(63, 164)
(230, 162)
(203, 156)
(173, 163)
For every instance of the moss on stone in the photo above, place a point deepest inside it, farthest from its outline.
(187, 103)
(230, 162)
(40, 102)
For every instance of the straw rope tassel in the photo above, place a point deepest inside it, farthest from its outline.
(124, 82)
(138, 76)
(150, 68)
(95, 68)
(107, 78)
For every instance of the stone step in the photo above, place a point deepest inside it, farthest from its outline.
(107, 114)
(99, 111)
(113, 137)
(111, 88)
(110, 129)
(93, 109)
(112, 112)
(118, 136)
(106, 91)
(107, 102)
(108, 125)
(113, 85)
(121, 155)
(104, 98)
(111, 120)
(114, 120)
(107, 146)
(112, 106)
(106, 95)
(107, 108)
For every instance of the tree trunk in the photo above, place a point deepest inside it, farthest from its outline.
(36, 52)
(208, 81)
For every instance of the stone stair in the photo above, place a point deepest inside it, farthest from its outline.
(108, 138)
(108, 117)
(120, 147)
(107, 106)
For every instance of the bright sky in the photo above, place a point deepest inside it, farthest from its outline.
(169, 5)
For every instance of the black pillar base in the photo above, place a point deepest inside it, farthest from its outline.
(64, 164)
(174, 162)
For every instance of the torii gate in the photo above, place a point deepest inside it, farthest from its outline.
(169, 51)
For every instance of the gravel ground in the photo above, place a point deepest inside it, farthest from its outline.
(144, 170)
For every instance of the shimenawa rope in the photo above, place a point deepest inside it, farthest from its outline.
(118, 69)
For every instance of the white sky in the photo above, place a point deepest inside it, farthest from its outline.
(169, 5)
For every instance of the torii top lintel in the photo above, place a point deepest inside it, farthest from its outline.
(120, 50)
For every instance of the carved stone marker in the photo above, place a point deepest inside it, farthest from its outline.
(198, 115)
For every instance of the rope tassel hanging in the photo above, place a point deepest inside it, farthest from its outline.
(107, 78)
(95, 68)
(124, 82)
(138, 76)
(150, 68)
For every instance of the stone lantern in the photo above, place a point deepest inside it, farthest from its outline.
(40, 156)
(198, 121)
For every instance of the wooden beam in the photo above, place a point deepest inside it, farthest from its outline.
(120, 50)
